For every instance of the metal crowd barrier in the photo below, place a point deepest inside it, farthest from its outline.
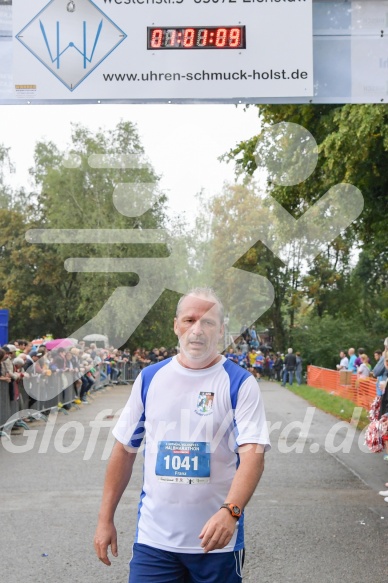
(134, 370)
(102, 376)
(5, 403)
(61, 384)
(129, 371)
(126, 372)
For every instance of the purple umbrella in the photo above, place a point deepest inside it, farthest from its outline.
(64, 342)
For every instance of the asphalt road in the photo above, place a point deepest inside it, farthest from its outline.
(315, 517)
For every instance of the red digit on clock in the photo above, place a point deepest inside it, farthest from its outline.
(221, 37)
(188, 37)
(156, 38)
(234, 37)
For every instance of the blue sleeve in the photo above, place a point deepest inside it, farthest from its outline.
(379, 369)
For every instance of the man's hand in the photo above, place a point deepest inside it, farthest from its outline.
(116, 480)
(105, 536)
(218, 530)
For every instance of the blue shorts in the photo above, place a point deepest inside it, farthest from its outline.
(150, 565)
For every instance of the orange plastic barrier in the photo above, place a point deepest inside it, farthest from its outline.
(361, 392)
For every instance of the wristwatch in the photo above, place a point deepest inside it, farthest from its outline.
(233, 509)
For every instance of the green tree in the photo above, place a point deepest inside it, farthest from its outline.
(240, 219)
(353, 147)
(320, 339)
(6, 168)
(72, 192)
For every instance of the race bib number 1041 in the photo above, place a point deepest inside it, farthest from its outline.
(183, 462)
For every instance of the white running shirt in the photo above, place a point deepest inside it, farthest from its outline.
(193, 420)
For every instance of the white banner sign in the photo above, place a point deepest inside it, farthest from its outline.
(162, 49)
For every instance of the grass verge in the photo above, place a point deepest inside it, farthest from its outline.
(337, 406)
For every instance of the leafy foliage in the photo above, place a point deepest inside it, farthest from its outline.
(336, 301)
(340, 299)
(41, 295)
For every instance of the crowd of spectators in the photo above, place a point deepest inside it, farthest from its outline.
(91, 364)
(22, 359)
(361, 365)
(376, 435)
(141, 357)
(262, 361)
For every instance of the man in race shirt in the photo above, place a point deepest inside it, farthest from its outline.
(206, 435)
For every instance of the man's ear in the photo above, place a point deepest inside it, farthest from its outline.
(175, 326)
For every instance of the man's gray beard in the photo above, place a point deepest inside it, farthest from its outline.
(189, 356)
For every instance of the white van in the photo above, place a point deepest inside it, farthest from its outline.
(99, 340)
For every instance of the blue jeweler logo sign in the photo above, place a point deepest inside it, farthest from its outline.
(71, 38)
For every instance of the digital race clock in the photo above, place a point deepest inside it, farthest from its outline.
(196, 37)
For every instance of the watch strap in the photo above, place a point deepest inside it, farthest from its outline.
(232, 509)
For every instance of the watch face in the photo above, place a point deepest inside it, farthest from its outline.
(236, 510)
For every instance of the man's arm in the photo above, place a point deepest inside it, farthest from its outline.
(379, 369)
(220, 528)
(117, 476)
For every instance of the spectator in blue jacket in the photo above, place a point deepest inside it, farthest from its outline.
(352, 360)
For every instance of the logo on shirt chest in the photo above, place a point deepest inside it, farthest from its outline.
(205, 403)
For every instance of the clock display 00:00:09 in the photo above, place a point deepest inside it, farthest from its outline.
(196, 37)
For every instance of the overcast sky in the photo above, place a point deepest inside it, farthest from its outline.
(182, 142)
